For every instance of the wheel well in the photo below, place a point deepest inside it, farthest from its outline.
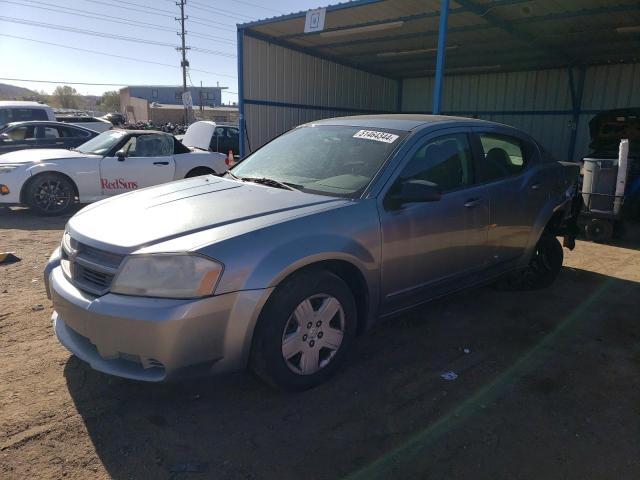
(554, 225)
(25, 187)
(194, 172)
(354, 279)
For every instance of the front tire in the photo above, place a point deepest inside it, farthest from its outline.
(305, 331)
(50, 194)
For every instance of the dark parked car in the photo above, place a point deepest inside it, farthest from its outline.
(37, 134)
(225, 138)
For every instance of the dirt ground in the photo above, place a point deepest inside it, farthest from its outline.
(550, 389)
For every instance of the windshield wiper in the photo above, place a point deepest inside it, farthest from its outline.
(228, 172)
(270, 182)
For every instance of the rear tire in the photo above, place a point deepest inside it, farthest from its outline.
(50, 194)
(543, 268)
(545, 264)
(304, 331)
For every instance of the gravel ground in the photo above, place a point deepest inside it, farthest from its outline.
(549, 389)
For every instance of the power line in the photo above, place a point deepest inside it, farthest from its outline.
(112, 55)
(245, 3)
(220, 11)
(260, 6)
(147, 11)
(106, 35)
(110, 18)
(83, 83)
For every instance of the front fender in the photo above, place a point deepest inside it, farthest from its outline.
(84, 172)
(294, 255)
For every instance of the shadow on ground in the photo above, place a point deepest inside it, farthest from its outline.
(23, 218)
(550, 389)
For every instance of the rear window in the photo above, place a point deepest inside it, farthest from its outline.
(8, 115)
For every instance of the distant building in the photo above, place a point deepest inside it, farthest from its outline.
(141, 110)
(170, 95)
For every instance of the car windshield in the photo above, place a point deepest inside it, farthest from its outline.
(101, 144)
(323, 159)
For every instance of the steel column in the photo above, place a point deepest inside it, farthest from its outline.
(241, 120)
(440, 58)
(576, 103)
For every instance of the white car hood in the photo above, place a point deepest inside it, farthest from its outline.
(199, 134)
(38, 155)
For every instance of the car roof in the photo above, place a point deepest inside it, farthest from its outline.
(22, 103)
(400, 121)
(138, 132)
(50, 123)
(45, 122)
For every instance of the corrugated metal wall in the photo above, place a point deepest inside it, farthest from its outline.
(281, 87)
(533, 97)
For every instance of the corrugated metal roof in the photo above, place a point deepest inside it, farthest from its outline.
(400, 36)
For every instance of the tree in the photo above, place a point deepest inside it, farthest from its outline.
(66, 97)
(110, 101)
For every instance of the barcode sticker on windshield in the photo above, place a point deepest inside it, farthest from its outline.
(377, 136)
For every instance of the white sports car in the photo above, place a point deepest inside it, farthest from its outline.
(114, 162)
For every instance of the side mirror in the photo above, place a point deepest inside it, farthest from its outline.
(415, 191)
(121, 154)
(4, 137)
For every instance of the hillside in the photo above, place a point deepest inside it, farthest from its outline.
(11, 92)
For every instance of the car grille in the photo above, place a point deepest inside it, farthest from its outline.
(88, 268)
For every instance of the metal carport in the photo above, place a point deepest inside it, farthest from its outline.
(545, 66)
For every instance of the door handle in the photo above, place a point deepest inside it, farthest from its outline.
(161, 163)
(472, 202)
(536, 186)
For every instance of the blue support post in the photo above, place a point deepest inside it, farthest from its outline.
(241, 120)
(399, 97)
(440, 58)
(576, 103)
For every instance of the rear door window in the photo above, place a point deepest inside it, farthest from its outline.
(50, 132)
(504, 156)
(70, 132)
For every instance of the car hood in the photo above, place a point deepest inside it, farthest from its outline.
(127, 222)
(38, 155)
(199, 134)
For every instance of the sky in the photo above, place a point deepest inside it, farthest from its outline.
(25, 24)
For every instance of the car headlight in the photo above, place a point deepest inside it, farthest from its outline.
(167, 276)
(7, 168)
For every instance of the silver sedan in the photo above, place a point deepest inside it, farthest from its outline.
(280, 264)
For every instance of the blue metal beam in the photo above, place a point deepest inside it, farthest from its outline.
(303, 14)
(440, 56)
(399, 98)
(306, 106)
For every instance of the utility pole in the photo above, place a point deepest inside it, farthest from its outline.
(184, 63)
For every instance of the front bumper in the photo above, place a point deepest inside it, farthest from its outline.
(13, 181)
(155, 339)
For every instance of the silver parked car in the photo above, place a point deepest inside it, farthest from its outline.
(305, 244)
